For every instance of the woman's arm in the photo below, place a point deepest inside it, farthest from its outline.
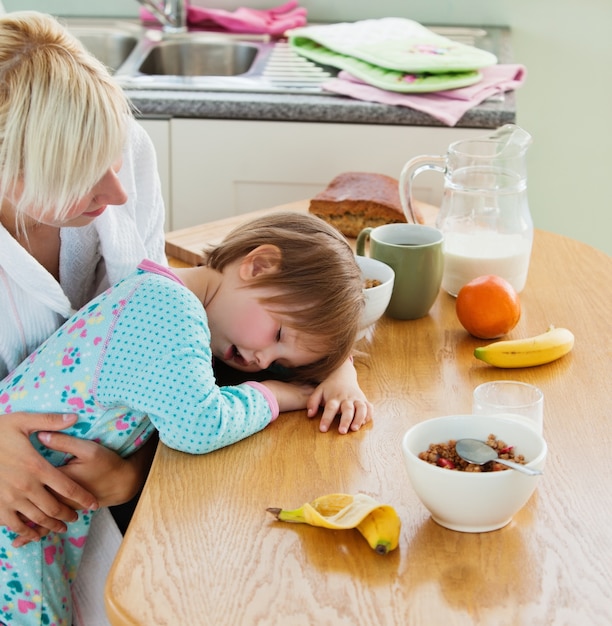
(36, 497)
(110, 477)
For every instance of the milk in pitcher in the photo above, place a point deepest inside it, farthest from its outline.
(468, 256)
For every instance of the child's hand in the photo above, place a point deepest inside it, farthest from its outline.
(340, 394)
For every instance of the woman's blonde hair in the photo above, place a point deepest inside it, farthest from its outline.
(63, 119)
(319, 284)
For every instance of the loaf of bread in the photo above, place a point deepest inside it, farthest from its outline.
(355, 200)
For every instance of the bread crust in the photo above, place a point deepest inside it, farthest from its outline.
(355, 200)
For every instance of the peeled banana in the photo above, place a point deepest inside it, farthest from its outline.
(378, 523)
(544, 348)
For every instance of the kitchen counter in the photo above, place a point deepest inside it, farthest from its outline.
(307, 108)
(322, 108)
(208, 134)
(300, 107)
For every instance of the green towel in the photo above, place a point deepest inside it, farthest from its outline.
(392, 53)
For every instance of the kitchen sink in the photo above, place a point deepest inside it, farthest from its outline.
(148, 58)
(199, 58)
(199, 61)
(109, 44)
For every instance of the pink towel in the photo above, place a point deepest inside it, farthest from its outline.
(446, 106)
(243, 20)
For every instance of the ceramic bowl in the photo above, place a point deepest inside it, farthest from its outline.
(467, 501)
(377, 298)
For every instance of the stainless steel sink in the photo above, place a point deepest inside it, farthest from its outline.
(110, 44)
(199, 58)
(144, 58)
(198, 61)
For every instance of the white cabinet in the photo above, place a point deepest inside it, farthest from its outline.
(228, 167)
(212, 168)
(159, 132)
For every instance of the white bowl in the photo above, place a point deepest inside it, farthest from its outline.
(377, 298)
(467, 501)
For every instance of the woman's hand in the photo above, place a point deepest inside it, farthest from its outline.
(341, 394)
(30, 485)
(113, 479)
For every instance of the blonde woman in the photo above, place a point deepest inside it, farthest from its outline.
(80, 207)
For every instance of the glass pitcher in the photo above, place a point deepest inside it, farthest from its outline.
(484, 215)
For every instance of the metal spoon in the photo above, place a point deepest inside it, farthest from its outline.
(479, 453)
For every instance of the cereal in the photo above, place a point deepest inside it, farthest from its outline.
(444, 455)
(368, 283)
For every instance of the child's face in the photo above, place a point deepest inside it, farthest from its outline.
(250, 336)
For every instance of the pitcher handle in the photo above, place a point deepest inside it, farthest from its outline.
(412, 168)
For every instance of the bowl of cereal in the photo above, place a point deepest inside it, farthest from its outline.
(464, 497)
(378, 280)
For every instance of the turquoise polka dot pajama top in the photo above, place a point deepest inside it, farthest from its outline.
(134, 360)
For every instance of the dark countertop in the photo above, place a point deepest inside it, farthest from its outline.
(323, 108)
(307, 108)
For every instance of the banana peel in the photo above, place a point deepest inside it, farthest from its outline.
(379, 524)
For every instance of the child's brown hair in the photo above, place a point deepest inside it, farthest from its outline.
(319, 281)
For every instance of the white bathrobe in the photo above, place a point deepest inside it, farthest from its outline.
(33, 305)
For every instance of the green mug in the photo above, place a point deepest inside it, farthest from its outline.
(414, 251)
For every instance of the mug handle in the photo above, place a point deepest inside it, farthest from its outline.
(411, 169)
(361, 240)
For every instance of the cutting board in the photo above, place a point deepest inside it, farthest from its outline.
(187, 244)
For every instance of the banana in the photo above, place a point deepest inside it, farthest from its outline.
(378, 523)
(544, 348)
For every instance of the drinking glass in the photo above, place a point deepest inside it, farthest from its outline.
(511, 397)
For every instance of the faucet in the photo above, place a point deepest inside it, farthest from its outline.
(172, 15)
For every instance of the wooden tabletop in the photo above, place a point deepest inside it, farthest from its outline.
(201, 548)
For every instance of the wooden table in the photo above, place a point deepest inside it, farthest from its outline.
(201, 548)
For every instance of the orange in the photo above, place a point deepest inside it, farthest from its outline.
(488, 307)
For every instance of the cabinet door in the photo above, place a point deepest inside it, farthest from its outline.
(159, 131)
(222, 168)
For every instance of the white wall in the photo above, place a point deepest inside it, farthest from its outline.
(566, 102)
